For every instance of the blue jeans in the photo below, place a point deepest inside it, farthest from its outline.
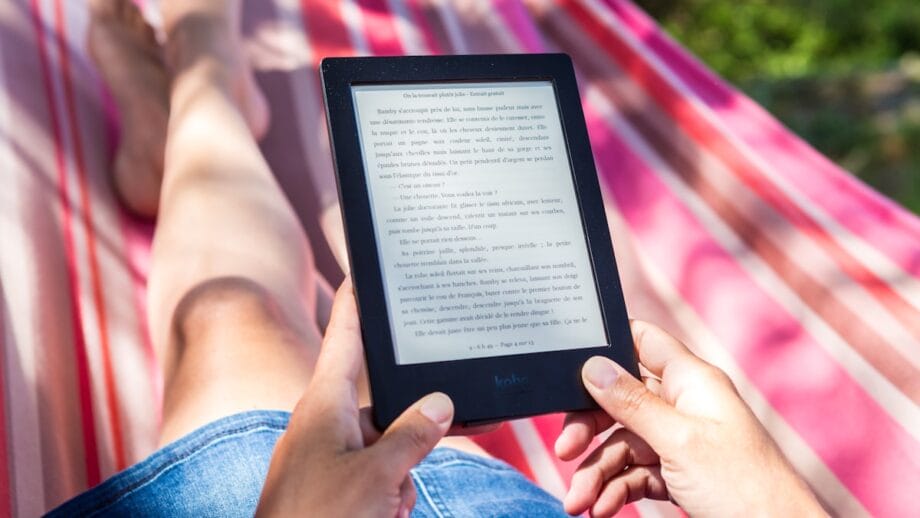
(219, 469)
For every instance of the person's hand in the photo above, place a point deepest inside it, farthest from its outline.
(331, 461)
(686, 435)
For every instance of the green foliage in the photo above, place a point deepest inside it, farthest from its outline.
(843, 74)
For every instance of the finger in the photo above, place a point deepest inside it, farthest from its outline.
(635, 483)
(657, 349)
(653, 385)
(407, 496)
(578, 430)
(341, 355)
(328, 412)
(623, 448)
(414, 433)
(369, 432)
(630, 403)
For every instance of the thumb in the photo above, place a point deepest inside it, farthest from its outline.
(415, 433)
(630, 403)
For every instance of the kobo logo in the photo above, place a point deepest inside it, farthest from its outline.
(508, 382)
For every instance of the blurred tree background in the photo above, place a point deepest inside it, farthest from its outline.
(843, 74)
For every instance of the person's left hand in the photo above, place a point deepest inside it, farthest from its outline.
(331, 461)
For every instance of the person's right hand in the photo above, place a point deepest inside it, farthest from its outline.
(686, 435)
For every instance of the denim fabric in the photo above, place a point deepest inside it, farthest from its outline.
(454, 483)
(219, 469)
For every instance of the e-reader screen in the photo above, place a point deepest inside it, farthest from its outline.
(479, 234)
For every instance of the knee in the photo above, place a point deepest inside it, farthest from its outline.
(222, 305)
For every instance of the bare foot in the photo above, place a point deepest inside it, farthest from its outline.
(126, 52)
(191, 25)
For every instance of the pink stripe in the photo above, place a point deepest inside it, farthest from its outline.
(869, 451)
(879, 221)
(519, 22)
(90, 448)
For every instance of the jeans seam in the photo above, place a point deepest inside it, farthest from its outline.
(470, 462)
(223, 436)
(429, 492)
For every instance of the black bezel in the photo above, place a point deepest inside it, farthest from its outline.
(547, 382)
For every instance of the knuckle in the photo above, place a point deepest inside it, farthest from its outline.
(631, 397)
(715, 375)
(417, 437)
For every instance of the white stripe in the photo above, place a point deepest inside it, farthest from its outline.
(452, 26)
(705, 344)
(542, 466)
(410, 35)
(901, 408)
(353, 19)
(21, 342)
(901, 281)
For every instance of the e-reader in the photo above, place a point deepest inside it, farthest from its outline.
(479, 249)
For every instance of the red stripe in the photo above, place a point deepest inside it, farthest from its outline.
(90, 448)
(711, 139)
(380, 29)
(326, 32)
(88, 223)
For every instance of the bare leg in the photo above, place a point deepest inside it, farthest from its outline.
(232, 285)
(232, 294)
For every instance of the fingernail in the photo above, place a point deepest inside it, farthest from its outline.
(404, 511)
(599, 371)
(437, 407)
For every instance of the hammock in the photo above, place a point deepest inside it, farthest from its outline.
(768, 260)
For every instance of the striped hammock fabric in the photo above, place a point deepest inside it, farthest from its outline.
(732, 233)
